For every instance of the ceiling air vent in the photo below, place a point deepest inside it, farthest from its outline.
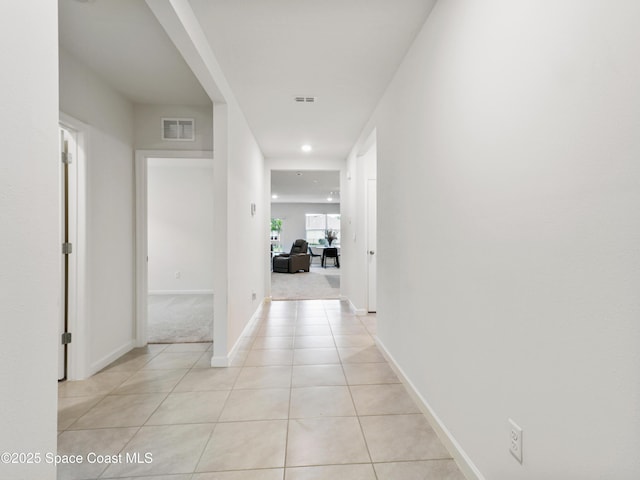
(178, 129)
(305, 99)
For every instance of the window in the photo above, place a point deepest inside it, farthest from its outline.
(275, 237)
(317, 225)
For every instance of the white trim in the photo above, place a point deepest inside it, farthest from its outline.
(141, 287)
(111, 357)
(466, 465)
(220, 242)
(219, 362)
(180, 292)
(371, 140)
(246, 332)
(358, 311)
(77, 353)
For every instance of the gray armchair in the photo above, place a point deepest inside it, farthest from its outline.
(297, 259)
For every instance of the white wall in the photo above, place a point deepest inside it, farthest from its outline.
(29, 202)
(508, 163)
(294, 220)
(110, 208)
(180, 225)
(148, 126)
(247, 236)
(240, 243)
(241, 255)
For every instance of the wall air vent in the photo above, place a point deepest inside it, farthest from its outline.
(178, 129)
(305, 99)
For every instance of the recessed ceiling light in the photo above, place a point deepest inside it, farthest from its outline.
(329, 199)
(299, 174)
(306, 148)
(275, 195)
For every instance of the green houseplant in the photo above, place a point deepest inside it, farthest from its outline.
(276, 224)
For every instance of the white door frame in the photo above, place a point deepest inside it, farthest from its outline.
(287, 164)
(77, 351)
(372, 237)
(142, 288)
(370, 170)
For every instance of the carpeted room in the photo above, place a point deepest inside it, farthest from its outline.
(317, 283)
(305, 206)
(180, 232)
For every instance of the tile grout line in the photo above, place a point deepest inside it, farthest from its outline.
(159, 405)
(286, 439)
(215, 426)
(145, 421)
(112, 393)
(298, 316)
(358, 417)
(217, 422)
(353, 403)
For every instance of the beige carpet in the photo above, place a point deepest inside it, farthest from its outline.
(180, 318)
(318, 283)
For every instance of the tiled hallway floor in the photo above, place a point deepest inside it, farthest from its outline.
(310, 397)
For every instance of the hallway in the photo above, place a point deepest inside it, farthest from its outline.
(310, 397)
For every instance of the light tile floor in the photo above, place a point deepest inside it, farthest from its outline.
(309, 397)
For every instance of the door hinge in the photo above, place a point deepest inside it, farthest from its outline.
(66, 158)
(67, 248)
(66, 338)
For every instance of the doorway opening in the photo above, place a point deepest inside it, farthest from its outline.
(305, 210)
(371, 201)
(72, 358)
(174, 247)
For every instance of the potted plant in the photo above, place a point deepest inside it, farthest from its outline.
(276, 228)
(330, 235)
(276, 224)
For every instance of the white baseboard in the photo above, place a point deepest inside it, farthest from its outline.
(180, 292)
(111, 357)
(358, 311)
(221, 361)
(465, 464)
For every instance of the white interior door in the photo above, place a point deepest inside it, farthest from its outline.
(372, 229)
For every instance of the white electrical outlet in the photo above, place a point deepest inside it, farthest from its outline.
(178, 274)
(515, 440)
(253, 295)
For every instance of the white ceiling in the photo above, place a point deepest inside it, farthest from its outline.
(342, 51)
(122, 41)
(305, 186)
